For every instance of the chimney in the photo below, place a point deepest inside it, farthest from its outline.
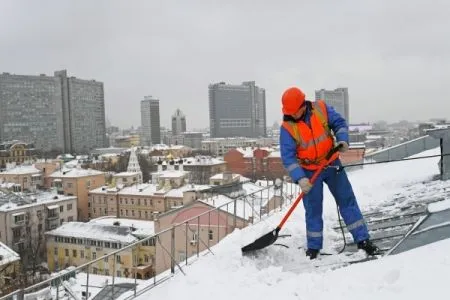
(159, 165)
(171, 166)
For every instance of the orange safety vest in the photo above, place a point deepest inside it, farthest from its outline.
(315, 142)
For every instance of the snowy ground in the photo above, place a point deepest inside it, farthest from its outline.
(280, 273)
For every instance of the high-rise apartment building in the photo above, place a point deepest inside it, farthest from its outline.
(237, 110)
(337, 98)
(178, 122)
(150, 122)
(53, 112)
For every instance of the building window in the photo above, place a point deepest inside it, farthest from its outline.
(74, 253)
(55, 251)
(61, 208)
(95, 271)
(94, 255)
(70, 219)
(67, 252)
(82, 253)
(146, 258)
(69, 206)
(210, 235)
(119, 274)
(118, 259)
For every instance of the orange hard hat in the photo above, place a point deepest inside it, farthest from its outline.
(293, 98)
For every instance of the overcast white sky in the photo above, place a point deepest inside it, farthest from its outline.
(394, 56)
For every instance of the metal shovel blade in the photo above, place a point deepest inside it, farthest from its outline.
(264, 241)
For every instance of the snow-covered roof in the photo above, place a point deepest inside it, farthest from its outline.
(243, 209)
(195, 161)
(145, 189)
(21, 170)
(142, 227)
(121, 234)
(178, 193)
(105, 190)
(75, 173)
(170, 174)
(7, 255)
(219, 176)
(278, 271)
(439, 206)
(16, 201)
(125, 174)
(250, 188)
(149, 189)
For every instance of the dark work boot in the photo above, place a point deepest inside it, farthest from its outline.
(369, 247)
(312, 253)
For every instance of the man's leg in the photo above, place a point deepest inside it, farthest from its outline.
(312, 202)
(341, 189)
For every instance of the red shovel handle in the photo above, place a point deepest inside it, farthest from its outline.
(312, 180)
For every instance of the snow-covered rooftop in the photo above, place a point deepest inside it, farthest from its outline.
(170, 174)
(243, 209)
(195, 161)
(15, 201)
(75, 173)
(145, 189)
(102, 232)
(143, 228)
(287, 273)
(178, 193)
(7, 255)
(125, 174)
(149, 189)
(22, 170)
(220, 176)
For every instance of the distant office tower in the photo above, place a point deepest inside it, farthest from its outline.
(338, 99)
(178, 123)
(237, 110)
(150, 122)
(53, 112)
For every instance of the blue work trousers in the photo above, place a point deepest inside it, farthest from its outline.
(342, 191)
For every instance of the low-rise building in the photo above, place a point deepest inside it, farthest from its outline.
(25, 219)
(26, 177)
(9, 269)
(76, 243)
(78, 182)
(16, 152)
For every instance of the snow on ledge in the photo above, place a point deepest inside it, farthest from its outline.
(439, 206)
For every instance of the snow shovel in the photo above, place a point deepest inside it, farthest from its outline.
(270, 238)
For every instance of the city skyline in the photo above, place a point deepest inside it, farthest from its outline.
(391, 56)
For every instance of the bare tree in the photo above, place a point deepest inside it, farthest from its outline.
(31, 245)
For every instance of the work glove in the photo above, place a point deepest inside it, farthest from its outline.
(305, 185)
(344, 146)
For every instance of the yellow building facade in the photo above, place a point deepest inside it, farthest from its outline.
(75, 243)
